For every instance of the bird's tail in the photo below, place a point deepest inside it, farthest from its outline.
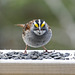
(20, 25)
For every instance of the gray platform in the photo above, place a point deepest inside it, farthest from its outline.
(38, 67)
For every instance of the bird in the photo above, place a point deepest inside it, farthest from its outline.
(36, 33)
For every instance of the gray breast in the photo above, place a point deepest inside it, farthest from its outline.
(37, 41)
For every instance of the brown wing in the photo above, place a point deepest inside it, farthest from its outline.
(26, 26)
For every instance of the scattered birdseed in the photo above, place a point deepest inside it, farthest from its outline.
(35, 55)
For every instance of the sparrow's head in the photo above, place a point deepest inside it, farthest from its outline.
(39, 27)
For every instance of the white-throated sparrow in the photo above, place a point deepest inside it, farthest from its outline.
(36, 33)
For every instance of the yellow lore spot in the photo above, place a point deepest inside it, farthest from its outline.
(36, 25)
(42, 25)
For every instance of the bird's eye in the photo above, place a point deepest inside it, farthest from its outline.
(43, 29)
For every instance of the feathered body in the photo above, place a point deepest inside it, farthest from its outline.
(36, 33)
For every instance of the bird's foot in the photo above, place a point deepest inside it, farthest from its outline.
(48, 51)
(25, 52)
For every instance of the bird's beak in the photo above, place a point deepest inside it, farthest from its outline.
(20, 25)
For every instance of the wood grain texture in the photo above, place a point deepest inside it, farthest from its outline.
(21, 68)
